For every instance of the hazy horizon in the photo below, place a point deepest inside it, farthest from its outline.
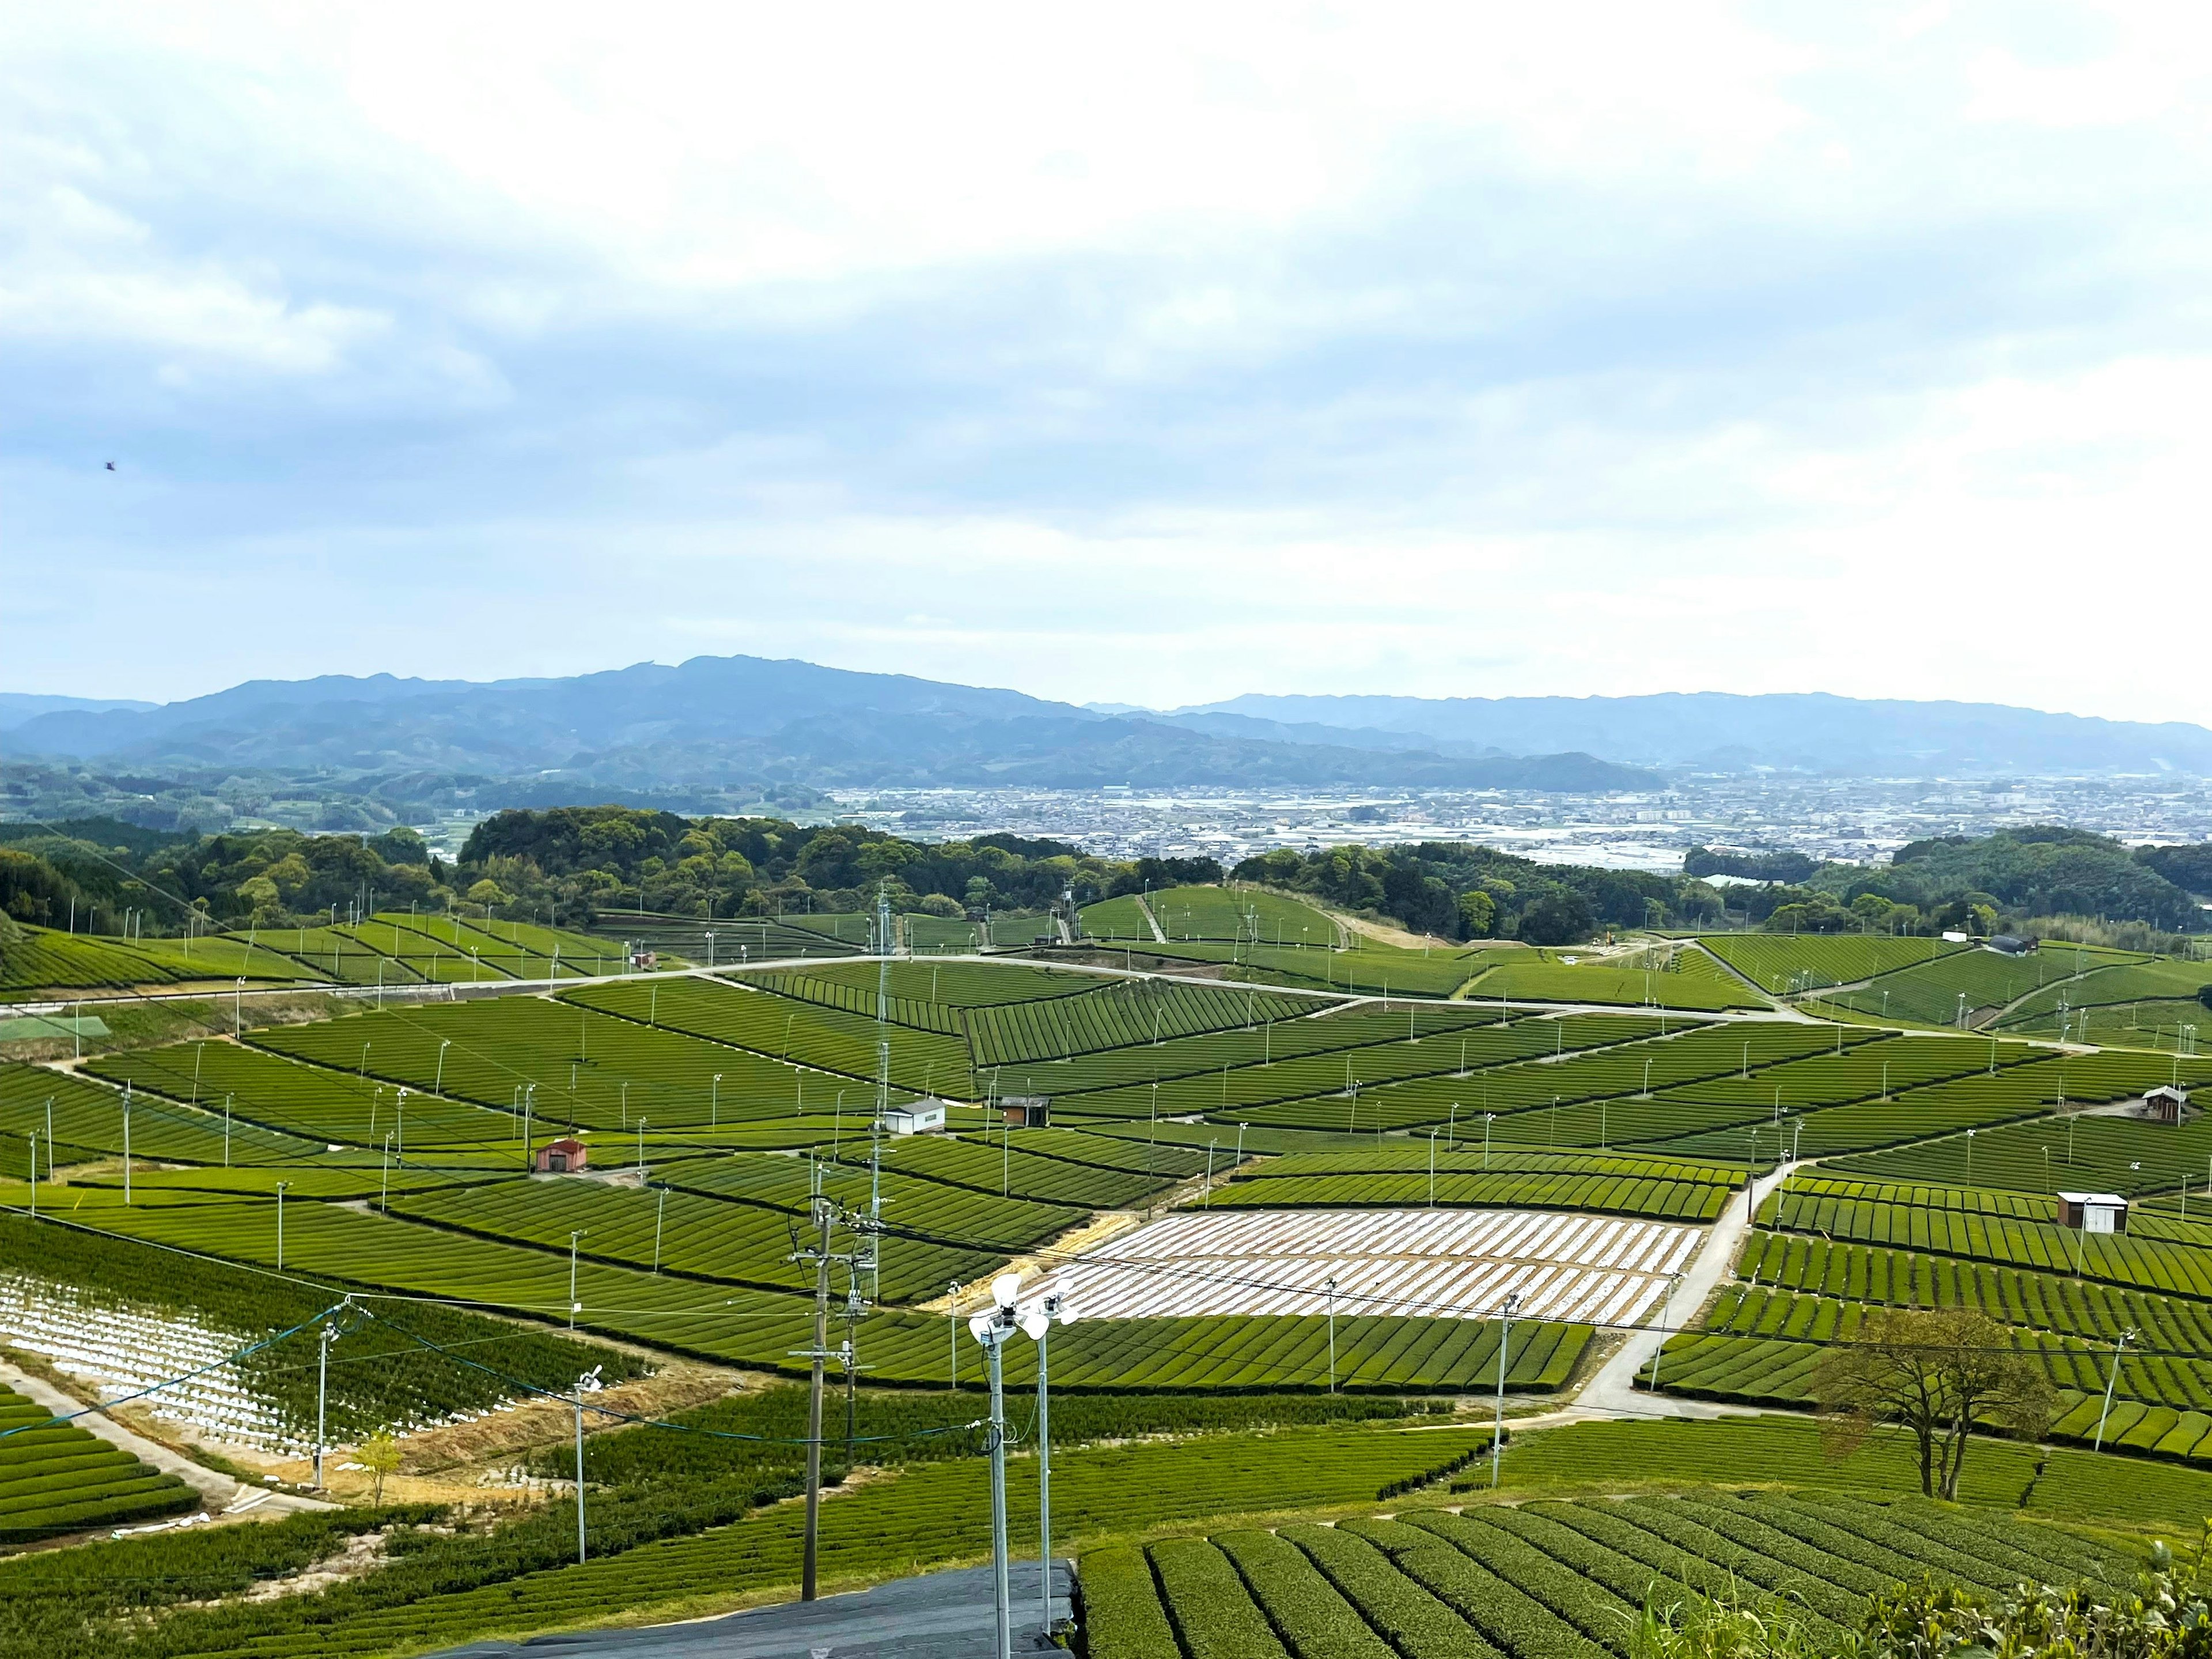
(1395, 351)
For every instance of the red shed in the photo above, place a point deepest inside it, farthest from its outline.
(563, 1157)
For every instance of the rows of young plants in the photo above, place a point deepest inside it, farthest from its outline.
(1783, 963)
(2074, 1151)
(1364, 967)
(1558, 1580)
(2111, 985)
(829, 988)
(1119, 1013)
(315, 1102)
(1931, 993)
(465, 1590)
(56, 1478)
(1267, 1044)
(382, 1371)
(1799, 1288)
(2152, 1264)
(1553, 1098)
(46, 959)
(681, 1232)
(1323, 1089)
(570, 1065)
(1692, 979)
(76, 1122)
(783, 1028)
(1005, 1167)
(1461, 1183)
(914, 1206)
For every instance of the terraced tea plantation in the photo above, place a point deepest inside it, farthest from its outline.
(1249, 1190)
(1413, 1177)
(392, 948)
(56, 1478)
(1545, 1580)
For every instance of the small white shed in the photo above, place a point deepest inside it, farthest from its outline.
(2095, 1212)
(915, 1118)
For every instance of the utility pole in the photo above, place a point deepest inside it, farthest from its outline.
(883, 950)
(1504, 1341)
(824, 1213)
(952, 1320)
(1665, 1313)
(587, 1383)
(2112, 1383)
(991, 1329)
(1329, 1285)
(1052, 1307)
(328, 1335)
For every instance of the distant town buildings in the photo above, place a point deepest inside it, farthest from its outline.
(1851, 820)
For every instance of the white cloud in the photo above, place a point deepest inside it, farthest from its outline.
(1148, 355)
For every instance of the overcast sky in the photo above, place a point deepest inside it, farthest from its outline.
(1147, 354)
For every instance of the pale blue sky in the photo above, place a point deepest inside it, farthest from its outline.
(1152, 356)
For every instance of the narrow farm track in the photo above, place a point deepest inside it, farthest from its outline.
(225, 1498)
(1612, 1391)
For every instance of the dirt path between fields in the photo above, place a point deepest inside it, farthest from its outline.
(225, 1498)
(1612, 1391)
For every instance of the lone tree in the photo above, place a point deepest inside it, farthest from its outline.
(1936, 1373)
(379, 1456)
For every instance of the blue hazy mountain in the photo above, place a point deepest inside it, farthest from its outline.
(721, 720)
(1808, 732)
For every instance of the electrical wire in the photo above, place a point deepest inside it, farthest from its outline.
(1379, 1305)
(610, 1412)
(107, 1406)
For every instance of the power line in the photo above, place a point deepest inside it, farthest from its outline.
(107, 1406)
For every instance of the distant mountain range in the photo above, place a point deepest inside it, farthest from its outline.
(722, 720)
(17, 706)
(1710, 729)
